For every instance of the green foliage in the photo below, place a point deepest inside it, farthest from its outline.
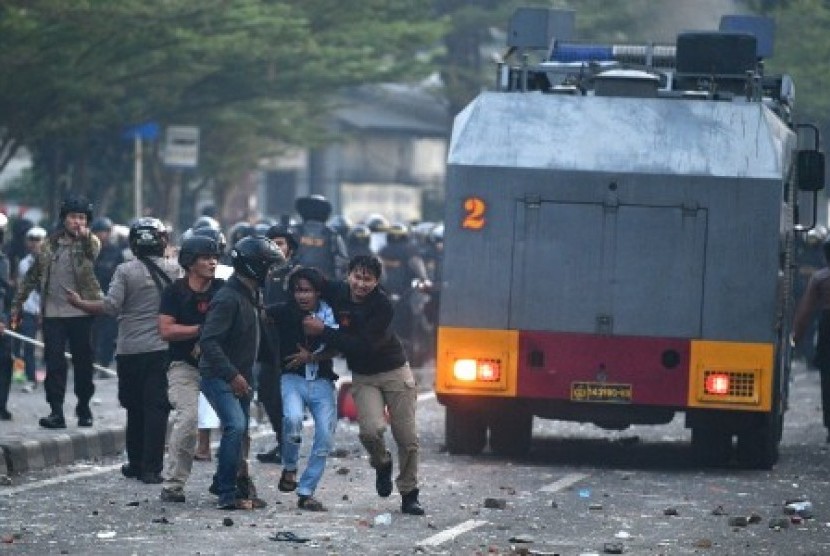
(253, 74)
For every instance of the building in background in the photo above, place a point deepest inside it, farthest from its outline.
(391, 159)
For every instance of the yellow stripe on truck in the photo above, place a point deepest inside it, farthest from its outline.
(749, 367)
(476, 343)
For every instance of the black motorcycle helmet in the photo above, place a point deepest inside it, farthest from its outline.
(76, 203)
(214, 234)
(194, 247)
(278, 230)
(313, 207)
(206, 222)
(253, 256)
(148, 237)
(101, 224)
(239, 231)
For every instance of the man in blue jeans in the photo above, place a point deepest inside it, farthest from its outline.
(229, 342)
(307, 382)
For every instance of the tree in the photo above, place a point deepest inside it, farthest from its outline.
(74, 74)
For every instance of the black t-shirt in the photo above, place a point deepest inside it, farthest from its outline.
(188, 308)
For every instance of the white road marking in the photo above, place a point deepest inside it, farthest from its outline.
(563, 483)
(452, 532)
(58, 480)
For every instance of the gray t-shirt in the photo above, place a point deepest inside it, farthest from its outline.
(134, 299)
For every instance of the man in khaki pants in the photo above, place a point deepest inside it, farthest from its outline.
(184, 304)
(381, 376)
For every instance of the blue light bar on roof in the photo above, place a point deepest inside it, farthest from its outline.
(563, 52)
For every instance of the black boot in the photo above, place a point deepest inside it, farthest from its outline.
(410, 504)
(84, 416)
(55, 420)
(5, 415)
(383, 479)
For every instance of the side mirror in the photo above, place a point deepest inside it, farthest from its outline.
(810, 170)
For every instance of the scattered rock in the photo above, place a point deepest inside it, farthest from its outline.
(779, 523)
(345, 498)
(670, 511)
(508, 490)
(719, 511)
(738, 521)
(134, 503)
(553, 504)
(227, 522)
(595, 506)
(7, 539)
(495, 503)
(343, 471)
(339, 453)
(613, 548)
(521, 539)
(703, 543)
(161, 520)
(801, 508)
(755, 518)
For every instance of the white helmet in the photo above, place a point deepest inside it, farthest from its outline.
(36, 232)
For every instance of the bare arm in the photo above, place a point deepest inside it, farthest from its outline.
(171, 331)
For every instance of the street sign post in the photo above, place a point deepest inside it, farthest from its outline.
(181, 147)
(147, 131)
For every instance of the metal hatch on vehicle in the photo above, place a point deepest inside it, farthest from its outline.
(608, 269)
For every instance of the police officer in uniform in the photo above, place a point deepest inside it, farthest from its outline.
(319, 245)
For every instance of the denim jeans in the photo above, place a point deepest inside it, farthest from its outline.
(233, 414)
(319, 396)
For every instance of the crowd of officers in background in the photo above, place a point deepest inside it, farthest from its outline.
(84, 285)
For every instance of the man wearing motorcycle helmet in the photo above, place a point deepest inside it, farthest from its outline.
(229, 343)
(141, 354)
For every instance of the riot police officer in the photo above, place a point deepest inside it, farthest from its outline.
(319, 245)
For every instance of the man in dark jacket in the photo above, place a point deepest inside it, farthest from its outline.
(229, 342)
(381, 376)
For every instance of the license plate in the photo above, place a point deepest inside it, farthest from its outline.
(600, 392)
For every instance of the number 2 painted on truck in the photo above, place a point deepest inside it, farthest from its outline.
(475, 208)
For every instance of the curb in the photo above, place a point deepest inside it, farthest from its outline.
(20, 456)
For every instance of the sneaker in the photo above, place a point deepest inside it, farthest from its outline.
(53, 421)
(85, 421)
(271, 456)
(172, 495)
(410, 504)
(383, 479)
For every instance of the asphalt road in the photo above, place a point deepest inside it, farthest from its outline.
(581, 491)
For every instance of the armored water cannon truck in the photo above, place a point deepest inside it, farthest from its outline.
(619, 236)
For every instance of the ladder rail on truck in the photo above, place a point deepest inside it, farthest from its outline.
(619, 234)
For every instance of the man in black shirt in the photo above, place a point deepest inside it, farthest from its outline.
(184, 304)
(381, 376)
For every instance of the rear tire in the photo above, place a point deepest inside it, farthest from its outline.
(511, 435)
(711, 447)
(758, 447)
(465, 431)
